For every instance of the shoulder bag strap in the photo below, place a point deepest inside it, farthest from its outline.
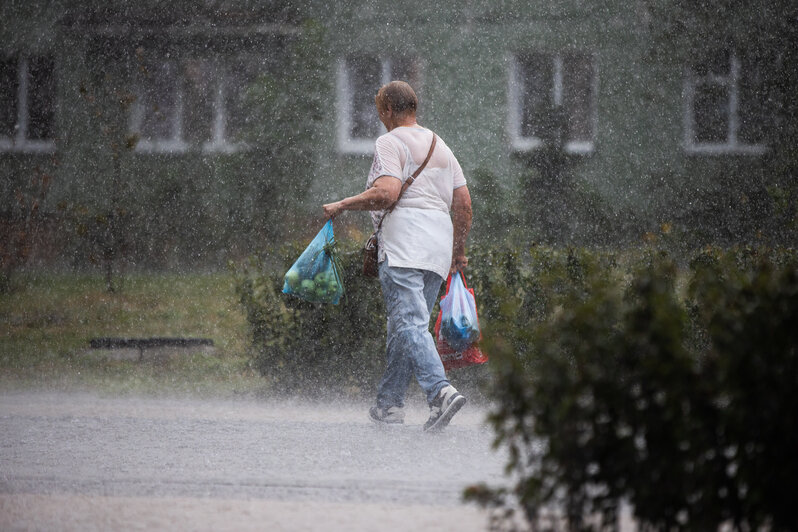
(411, 179)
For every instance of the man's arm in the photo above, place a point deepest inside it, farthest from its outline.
(381, 195)
(461, 220)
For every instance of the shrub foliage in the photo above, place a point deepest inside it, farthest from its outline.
(314, 346)
(308, 348)
(670, 389)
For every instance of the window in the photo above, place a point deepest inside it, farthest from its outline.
(216, 113)
(552, 100)
(27, 104)
(191, 104)
(157, 114)
(724, 106)
(359, 78)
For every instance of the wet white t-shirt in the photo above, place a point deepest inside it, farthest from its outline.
(418, 232)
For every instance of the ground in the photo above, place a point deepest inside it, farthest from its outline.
(83, 461)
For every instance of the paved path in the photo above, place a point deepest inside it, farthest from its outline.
(82, 462)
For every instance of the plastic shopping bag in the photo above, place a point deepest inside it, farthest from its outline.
(316, 274)
(459, 322)
(457, 330)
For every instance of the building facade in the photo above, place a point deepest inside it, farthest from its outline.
(201, 128)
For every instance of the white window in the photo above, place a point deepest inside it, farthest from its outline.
(157, 114)
(724, 107)
(27, 104)
(358, 79)
(552, 99)
(195, 104)
(215, 118)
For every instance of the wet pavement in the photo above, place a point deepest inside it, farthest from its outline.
(80, 461)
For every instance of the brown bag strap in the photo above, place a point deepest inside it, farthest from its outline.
(411, 179)
(419, 169)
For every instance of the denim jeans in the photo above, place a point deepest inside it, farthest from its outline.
(409, 296)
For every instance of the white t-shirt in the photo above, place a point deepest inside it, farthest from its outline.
(418, 232)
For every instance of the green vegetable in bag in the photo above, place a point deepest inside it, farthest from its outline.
(316, 274)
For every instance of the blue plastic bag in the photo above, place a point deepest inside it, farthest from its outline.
(316, 274)
(459, 321)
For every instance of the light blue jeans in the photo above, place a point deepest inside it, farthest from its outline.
(409, 296)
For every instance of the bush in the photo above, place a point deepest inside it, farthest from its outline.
(612, 387)
(300, 345)
(746, 302)
(314, 346)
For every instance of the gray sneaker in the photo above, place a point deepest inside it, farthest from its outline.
(393, 415)
(443, 408)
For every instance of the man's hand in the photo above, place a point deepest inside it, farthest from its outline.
(333, 209)
(458, 263)
(461, 221)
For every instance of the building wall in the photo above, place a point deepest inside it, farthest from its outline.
(198, 205)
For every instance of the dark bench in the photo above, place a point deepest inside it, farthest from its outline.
(156, 347)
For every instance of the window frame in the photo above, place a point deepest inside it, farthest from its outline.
(173, 144)
(20, 141)
(515, 89)
(731, 81)
(219, 141)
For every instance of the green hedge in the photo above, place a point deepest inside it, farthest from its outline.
(301, 346)
(306, 347)
(673, 389)
(311, 347)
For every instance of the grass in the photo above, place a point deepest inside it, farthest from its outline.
(46, 323)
